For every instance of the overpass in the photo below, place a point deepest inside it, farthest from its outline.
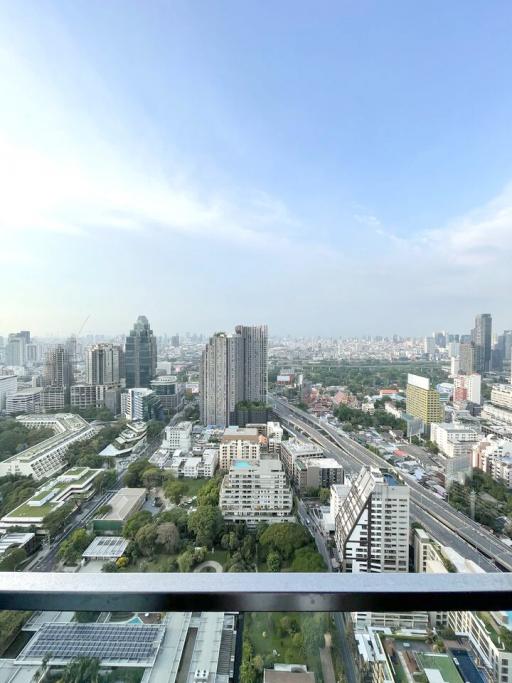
(445, 523)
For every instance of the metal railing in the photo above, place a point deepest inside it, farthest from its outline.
(262, 592)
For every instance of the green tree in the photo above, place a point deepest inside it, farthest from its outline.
(12, 559)
(284, 538)
(136, 522)
(146, 539)
(177, 516)
(133, 476)
(81, 670)
(206, 524)
(186, 561)
(168, 536)
(152, 477)
(273, 561)
(209, 493)
(55, 520)
(325, 496)
(174, 491)
(307, 560)
(71, 549)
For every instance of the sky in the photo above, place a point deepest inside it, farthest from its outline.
(332, 168)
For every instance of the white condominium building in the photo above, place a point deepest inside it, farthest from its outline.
(8, 387)
(494, 456)
(256, 492)
(178, 436)
(47, 458)
(501, 395)
(372, 524)
(297, 448)
(453, 438)
(238, 443)
(27, 401)
(467, 388)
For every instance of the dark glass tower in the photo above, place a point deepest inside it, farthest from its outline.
(140, 354)
(482, 337)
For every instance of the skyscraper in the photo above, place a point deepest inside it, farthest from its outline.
(253, 341)
(482, 337)
(140, 354)
(234, 368)
(470, 356)
(57, 368)
(220, 385)
(104, 364)
(15, 351)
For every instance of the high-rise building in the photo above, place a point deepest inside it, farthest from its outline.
(372, 523)
(253, 340)
(429, 346)
(470, 358)
(15, 351)
(8, 387)
(234, 368)
(142, 405)
(58, 370)
(482, 337)
(140, 354)
(422, 401)
(104, 364)
(219, 379)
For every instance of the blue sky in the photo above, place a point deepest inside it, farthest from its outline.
(329, 168)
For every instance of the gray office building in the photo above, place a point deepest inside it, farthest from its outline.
(140, 354)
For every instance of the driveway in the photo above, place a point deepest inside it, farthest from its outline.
(216, 566)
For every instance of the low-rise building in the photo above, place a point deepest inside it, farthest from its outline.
(107, 548)
(314, 473)
(255, 492)
(17, 539)
(24, 401)
(494, 456)
(47, 457)
(194, 467)
(75, 483)
(170, 392)
(141, 404)
(178, 436)
(454, 438)
(130, 441)
(297, 448)
(122, 505)
(85, 396)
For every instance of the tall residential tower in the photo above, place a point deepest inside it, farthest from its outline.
(140, 354)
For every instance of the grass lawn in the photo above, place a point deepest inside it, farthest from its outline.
(443, 663)
(256, 624)
(193, 486)
(220, 556)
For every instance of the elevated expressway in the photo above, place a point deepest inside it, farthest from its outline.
(448, 526)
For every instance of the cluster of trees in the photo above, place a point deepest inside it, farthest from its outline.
(362, 381)
(141, 473)
(322, 494)
(485, 512)
(85, 454)
(12, 559)
(15, 490)
(299, 638)
(352, 418)
(71, 549)
(288, 545)
(15, 437)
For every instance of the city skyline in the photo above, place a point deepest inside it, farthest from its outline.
(343, 173)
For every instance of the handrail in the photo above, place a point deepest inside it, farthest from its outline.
(260, 592)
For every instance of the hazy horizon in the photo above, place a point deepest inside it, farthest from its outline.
(336, 170)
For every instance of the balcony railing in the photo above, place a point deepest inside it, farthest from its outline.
(262, 592)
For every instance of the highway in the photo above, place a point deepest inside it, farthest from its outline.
(446, 524)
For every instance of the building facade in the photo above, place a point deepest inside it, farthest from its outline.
(422, 401)
(140, 355)
(104, 364)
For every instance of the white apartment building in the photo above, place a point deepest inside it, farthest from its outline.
(494, 456)
(8, 387)
(297, 448)
(467, 388)
(501, 396)
(178, 436)
(372, 523)
(87, 395)
(195, 467)
(453, 438)
(256, 492)
(134, 403)
(238, 443)
(431, 557)
(47, 458)
(491, 412)
(27, 401)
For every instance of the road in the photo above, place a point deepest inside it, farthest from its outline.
(446, 524)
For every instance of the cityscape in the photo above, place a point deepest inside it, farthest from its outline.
(241, 452)
(255, 341)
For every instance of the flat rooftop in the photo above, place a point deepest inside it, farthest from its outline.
(106, 547)
(114, 644)
(123, 502)
(244, 433)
